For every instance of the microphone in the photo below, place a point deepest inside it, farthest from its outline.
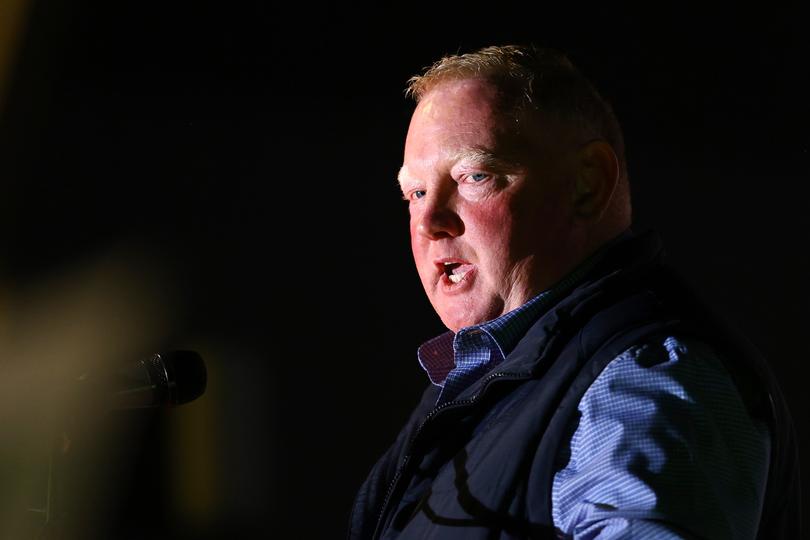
(165, 379)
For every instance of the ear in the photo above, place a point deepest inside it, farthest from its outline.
(596, 179)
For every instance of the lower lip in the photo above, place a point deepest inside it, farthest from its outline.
(448, 287)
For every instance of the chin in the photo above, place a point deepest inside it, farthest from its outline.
(460, 312)
(455, 322)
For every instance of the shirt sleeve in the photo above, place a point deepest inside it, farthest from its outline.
(663, 448)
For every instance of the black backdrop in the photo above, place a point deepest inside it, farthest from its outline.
(251, 151)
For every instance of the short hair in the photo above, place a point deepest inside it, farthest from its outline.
(533, 78)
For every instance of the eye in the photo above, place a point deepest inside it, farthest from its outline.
(477, 177)
(417, 194)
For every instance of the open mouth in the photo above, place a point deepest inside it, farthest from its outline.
(455, 272)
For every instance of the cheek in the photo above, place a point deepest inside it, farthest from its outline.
(419, 247)
(492, 232)
(537, 221)
(414, 238)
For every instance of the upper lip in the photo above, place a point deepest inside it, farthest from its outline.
(443, 261)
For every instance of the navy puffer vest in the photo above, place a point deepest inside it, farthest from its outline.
(482, 465)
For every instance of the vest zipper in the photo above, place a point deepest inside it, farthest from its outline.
(432, 414)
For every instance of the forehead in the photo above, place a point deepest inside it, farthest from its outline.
(455, 104)
(451, 96)
(460, 116)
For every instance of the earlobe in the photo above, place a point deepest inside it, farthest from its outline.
(596, 180)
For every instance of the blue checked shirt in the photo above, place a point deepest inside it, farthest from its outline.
(663, 448)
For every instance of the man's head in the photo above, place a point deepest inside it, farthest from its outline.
(514, 173)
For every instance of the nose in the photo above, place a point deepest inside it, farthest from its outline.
(438, 219)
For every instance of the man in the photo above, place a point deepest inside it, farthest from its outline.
(580, 390)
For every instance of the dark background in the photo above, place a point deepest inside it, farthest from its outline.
(250, 152)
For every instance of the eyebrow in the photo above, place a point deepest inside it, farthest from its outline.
(485, 157)
(402, 175)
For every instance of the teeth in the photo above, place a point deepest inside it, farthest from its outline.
(455, 278)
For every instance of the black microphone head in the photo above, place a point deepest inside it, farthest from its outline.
(182, 374)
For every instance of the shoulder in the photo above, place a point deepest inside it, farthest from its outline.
(679, 366)
(662, 433)
(676, 383)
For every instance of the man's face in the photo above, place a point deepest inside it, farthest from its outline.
(491, 216)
